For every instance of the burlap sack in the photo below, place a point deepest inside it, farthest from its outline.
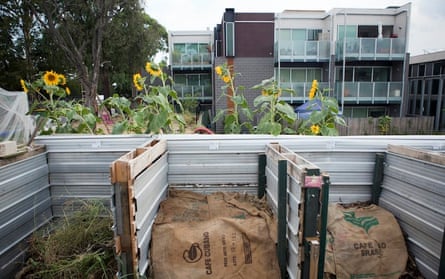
(216, 236)
(364, 242)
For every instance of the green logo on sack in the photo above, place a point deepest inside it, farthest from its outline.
(365, 222)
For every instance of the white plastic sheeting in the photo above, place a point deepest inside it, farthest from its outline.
(15, 124)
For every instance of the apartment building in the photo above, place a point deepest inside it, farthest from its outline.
(191, 63)
(359, 56)
(427, 88)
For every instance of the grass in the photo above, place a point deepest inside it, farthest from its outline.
(77, 246)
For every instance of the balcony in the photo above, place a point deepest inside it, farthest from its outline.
(199, 92)
(301, 91)
(301, 51)
(189, 60)
(370, 92)
(371, 49)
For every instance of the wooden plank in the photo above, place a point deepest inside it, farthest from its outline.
(314, 257)
(424, 155)
(146, 156)
(131, 164)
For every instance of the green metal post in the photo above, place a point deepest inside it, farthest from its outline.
(310, 220)
(442, 258)
(282, 217)
(378, 177)
(261, 175)
(323, 225)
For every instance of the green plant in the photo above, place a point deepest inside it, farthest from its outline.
(238, 107)
(79, 245)
(384, 124)
(58, 115)
(273, 110)
(156, 110)
(155, 105)
(322, 122)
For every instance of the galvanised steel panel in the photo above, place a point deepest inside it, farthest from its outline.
(16, 213)
(414, 191)
(17, 174)
(256, 143)
(11, 193)
(33, 218)
(147, 186)
(428, 177)
(25, 206)
(150, 189)
(235, 163)
(86, 143)
(210, 178)
(80, 178)
(75, 162)
(212, 168)
(80, 191)
(209, 189)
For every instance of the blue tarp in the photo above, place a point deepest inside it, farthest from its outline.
(304, 111)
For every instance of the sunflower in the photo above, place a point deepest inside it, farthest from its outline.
(136, 81)
(51, 78)
(218, 70)
(315, 129)
(314, 89)
(23, 84)
(62, 79)
(153, 69)
(67, 90)
(226, 79)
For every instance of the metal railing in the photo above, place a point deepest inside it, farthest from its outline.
(371, 49)
(289, 50)
(370, 92)
(191, 60)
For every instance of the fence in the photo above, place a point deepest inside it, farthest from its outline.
(397, 126)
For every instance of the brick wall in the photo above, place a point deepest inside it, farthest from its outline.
(250, 71)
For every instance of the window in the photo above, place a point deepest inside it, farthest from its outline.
(351, 31)
(421, 70)
(363, 74)
(312, 34)
(298, 75)
(230, 38)
(381, 74)
(368, 31)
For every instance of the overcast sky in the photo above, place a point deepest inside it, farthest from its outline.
(427, 32)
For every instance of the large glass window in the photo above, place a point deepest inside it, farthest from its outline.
(299, 75)
(350, 32)
(363, 74)
(381, 74)
(230, 38)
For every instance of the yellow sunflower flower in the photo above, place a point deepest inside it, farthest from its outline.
(62, 79)
(312, 93)
(264, 92)
(153, 69)
(137, 82)
(226, 79)
(51, 78)
(315, 129)
(23, 84)
(218, 70)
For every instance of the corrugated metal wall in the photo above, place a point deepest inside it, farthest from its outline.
(79, 167)
(414, 191)
(25, 205)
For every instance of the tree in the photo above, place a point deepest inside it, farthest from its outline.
(132, 39)
(78, 27)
